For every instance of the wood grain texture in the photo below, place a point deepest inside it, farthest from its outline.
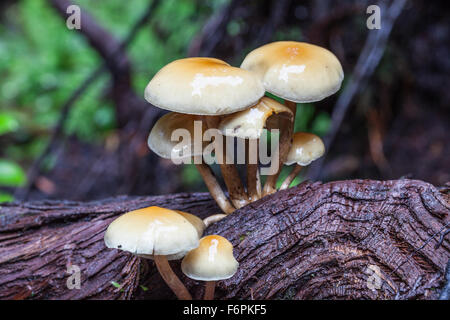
(314, 241)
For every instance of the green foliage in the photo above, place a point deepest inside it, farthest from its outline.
(307, 121)
(5, 197)
(8, 123)
(303, 117)
(284, 173)
(321, 124)
(190, 175)
(270, 95)
(11, 174)
(42, 62)
(117, 285)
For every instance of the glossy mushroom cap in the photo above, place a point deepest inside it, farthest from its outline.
(306, 147)
(154, 231)
(248, 124)
(198, 223)
(296, 71)
(203, 86)
(160, 142)
(213, 260)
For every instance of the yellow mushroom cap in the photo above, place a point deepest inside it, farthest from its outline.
(203, 86)
(296, 71)
(160, 138)
(213, 260)
(154, 231)
(306, 147)
(249, 123)
(198, 223)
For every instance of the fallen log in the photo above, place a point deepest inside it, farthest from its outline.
(358, 239)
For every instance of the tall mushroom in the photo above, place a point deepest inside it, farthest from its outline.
(208, 87)
(306, 148)
(297, 72)
(213, 260)
(249, 124)
(159, 234)
(160, 141)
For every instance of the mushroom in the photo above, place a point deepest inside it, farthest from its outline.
(298, 72)
(160, 141)
(198, 223)
(208, 87)
(213, 260)
(159, 234)
(213, 219)
(249, 124)
(306, 148)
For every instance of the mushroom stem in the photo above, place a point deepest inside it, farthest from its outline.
(213, 186)
(294, 173)
(210, 287)
(171, 278)
(293, 106)
(253, 182)
(253, 177)
(213, 219)
(230, 174)
(287, 130)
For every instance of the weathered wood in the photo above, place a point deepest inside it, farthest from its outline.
(40, 240)
(314, 241)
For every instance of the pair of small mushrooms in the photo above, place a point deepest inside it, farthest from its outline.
(162, 234)
(231, 100)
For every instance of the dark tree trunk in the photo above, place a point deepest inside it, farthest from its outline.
(355, 239)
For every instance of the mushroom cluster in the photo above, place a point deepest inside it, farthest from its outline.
(207, 93)
(297, 72)
(162, 235)
(211, 101)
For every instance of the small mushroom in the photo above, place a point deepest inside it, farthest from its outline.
(210, 88)
(306, 148)
(213, 219)
(159, 234)
(249, 124)
(212, 261)
(297, 72)
(160, 142)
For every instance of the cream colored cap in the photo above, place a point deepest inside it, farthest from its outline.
(160, 138)
(153, 231)
(213, 260)
(306, 147)
(249, 124)
(198, 223)
(203, 86)
(296, 71)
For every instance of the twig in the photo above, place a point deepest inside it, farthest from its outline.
(22, 193)
(213, 31)
(368, 60)
(441, 240)
(420, 248)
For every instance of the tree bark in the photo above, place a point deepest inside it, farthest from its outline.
(356, 239)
